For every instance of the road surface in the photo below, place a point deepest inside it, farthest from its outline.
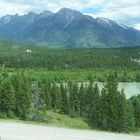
(20, 131)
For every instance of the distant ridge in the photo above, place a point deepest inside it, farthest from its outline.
(67, 28)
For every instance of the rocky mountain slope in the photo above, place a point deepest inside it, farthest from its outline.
(67, 28)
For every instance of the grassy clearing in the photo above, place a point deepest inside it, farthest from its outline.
(55, 119)
(59, 120)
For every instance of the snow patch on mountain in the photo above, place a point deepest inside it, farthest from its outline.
(6, 19)
(121, 25)
(105, 21)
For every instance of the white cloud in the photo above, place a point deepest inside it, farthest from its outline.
(137, 26)
(10, 8)
(124, 11)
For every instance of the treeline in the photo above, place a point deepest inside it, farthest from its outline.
(96, 75)
(25, 56)
(106, 110)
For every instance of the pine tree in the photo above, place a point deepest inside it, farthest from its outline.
(120, 122)
(95, 103)
(117, 112)
(7, 96)
(39, 107)
(111, 101)
(58, 99)
(129, 117)
(74, 101)
(103, 110)
(82, 100)
(89, 101)
(23, 94)
(46, 91)
(55, 98)
(136, 105)
(64, 100)
(71, 99)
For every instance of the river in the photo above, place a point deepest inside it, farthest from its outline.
(130, 88)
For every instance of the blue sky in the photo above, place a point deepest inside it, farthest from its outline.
(124, 11)
(91, 10)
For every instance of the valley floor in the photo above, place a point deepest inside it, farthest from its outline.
(18, 131)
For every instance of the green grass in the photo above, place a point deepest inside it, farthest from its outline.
(99, 75)
(137, 133)
(55, 119)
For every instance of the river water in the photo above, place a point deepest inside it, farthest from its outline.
(130, 88)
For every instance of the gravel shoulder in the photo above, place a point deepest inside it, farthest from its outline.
(19, 131)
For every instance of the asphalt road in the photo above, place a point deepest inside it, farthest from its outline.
(20, 131)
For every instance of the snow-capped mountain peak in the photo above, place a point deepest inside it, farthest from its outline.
(69, 28)
(68, 14)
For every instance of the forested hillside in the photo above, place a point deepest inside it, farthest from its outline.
(32, 82)
(106, 110)
(16, 55)
(71, 64)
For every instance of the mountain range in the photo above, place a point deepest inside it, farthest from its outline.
(67, 28)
